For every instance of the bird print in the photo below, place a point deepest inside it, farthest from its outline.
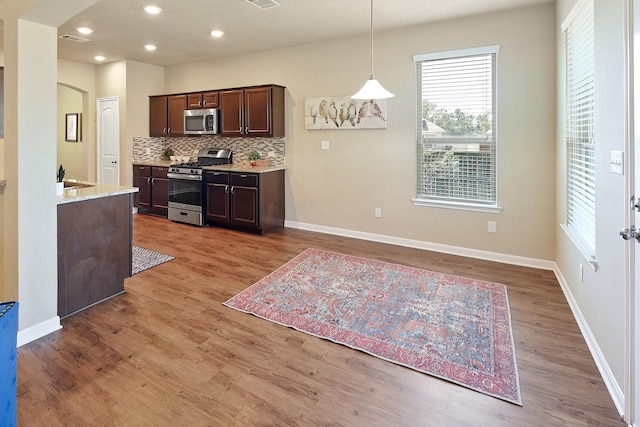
(344, 114)
(322, 110)
(375, 110)
(333, 113)
(363, 111)
(351, 113)
(314, 113)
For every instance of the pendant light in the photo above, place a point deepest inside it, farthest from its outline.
(372, 89)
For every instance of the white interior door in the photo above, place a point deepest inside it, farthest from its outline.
(108, 141)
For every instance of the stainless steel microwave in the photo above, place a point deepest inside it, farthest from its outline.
(201, 122)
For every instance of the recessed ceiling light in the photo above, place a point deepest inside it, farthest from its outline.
(216, 33)
(149, 47)
(99, 58)
(152, 10)
(84, 30)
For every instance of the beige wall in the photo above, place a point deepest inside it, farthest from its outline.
(69, 153)
(365, 169)
(599, 299)
(142, 80)
(82, 78)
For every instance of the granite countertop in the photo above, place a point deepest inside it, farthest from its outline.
(163, 163)
(95, 191)
(244, 168)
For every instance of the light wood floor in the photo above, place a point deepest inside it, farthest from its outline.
(168, 353)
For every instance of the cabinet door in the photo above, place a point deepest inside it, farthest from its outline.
(194, 101)
(160, 196)
(244, 206)
(231, 113)
(210, 100)
(143, 196)
(157, 116)
(176, 104)
(218, 202)
(257, 111)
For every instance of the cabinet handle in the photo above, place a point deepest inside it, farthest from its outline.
(232, 190)
(153, 180)
(164, 130)
(226, 189)
(246, 130)
(148, 180)
(241, 133)
(168, 130)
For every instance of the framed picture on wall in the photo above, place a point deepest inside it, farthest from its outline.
(72, 129)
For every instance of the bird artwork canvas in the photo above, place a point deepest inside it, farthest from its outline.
(342, 112)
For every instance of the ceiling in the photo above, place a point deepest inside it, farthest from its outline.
(181, 31)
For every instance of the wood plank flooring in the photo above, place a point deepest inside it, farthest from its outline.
(168, 353)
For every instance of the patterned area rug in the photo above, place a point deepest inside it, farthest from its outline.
(144, 259)
(451, 327)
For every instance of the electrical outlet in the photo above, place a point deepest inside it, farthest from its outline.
(491, 227)
(378, 212)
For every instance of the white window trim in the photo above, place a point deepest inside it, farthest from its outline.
(574, 235)
(459, 205)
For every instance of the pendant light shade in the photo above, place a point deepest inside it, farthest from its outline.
(372, 89)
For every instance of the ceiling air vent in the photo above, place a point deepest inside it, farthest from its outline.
(264, 4)
(74, 38)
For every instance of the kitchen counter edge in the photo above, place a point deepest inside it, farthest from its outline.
(96, 191)
(160, 163)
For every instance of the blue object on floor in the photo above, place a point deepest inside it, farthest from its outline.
(8, 341)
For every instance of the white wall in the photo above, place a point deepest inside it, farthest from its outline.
(365, 169)
(599, 298)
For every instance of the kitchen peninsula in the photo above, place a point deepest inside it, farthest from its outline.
(94, 243)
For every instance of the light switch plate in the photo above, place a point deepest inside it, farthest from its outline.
(617, 162)
(324, 145)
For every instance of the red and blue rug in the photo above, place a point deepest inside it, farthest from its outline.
(451, 327)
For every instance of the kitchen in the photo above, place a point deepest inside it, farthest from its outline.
(336, 190)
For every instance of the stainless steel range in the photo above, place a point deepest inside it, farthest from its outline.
(185, 185)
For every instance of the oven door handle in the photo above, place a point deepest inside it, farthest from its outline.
(184, 176)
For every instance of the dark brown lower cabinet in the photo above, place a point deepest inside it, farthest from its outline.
(248, 201)
(153, 183)
(94, 251)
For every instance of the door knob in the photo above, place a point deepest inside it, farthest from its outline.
(630, 233)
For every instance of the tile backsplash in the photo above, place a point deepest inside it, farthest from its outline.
(189, 146)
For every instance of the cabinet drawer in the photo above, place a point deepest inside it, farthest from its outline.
(141, 170)
(244, 179)
(215, 177)
(159, 172)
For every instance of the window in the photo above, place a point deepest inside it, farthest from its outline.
(580, 144)
(456, 143)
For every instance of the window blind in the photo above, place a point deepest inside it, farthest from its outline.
(456, 147)
(580, 143)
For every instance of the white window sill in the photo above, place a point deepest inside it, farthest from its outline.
(457, 205)
(577, 241)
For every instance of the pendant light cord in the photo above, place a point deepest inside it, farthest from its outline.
(371, 26)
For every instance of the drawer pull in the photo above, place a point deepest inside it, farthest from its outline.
(243, 176)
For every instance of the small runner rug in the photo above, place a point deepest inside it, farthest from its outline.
(144, 259)
(451, 327)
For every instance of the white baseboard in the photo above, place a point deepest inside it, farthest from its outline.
(418, 244)
(607, 375)
(34, 332)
